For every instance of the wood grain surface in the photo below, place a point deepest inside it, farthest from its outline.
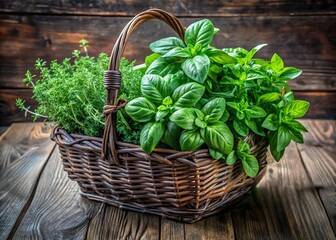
(181, 8)
(57, 210)
(24, 151)
(295, 199)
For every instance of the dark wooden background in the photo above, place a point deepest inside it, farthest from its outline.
(302, 32)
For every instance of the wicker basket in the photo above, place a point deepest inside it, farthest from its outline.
(184, 186)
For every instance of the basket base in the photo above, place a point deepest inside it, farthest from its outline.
(184, 215)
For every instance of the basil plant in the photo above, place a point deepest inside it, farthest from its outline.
(196, 96)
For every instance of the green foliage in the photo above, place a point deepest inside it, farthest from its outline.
(71, 93)
(196, 95)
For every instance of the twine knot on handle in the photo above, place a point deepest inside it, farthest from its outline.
(112, 76)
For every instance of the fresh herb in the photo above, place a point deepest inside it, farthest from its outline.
(72, 93)
(195, 95)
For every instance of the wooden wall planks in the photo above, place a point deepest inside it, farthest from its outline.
(180, 8)
(300, 31)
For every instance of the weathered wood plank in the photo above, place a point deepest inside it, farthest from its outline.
(182, 8)
(319, 157)
(114, 223)
(57, 211)
(3, 129)
(304, 42)
(24, 152)
(171, 230)
(285, 204)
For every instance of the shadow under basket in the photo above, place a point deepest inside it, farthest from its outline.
(183, 186)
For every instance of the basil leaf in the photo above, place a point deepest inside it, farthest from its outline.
(184, 118)
(150, 135)
(240, 127)
(219, 56)
(295, 135)
(255, 112)
(277, 63)
(219, 137)
(141, 109)
(196, 68)
(271, 122)
(283, 138)
(289, 73)
(254, 126)
(164, 45)
(243, 148)
(273, 140)
(187, 95)
(161, 115)
(231, 158)
(225, 116)
(296, 108)
(253, 51)
(151, 58)
(200, 32)
(250, 165)
(177, 52)
(154, 88)
(214, 109)
(294, 124)
(190, 140)
(269, 97)
(215, 154)
(164, 66)
(171, 134)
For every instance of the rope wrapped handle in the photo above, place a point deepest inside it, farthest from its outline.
(113, 78)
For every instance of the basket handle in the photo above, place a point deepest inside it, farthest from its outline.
(112, 77)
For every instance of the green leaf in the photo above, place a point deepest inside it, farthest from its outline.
(225, 116)
(200, 32)
(200, 123)
(190, 140)
(254, 126)
(255, 112)
(240, 127)
(167, 101)
(197, 68)
(273, 140)
(185, 118)
(154, 88)
(214, 109)
(295, 135)
(277, 63)
(294, 124)
(231, 158)
(215, 154)
(219, 137)
(141, 109)
(164, 66)
(171, 134)
(187, 95)
(271, 122)
(151, 58)
(296, 108)
(269, 97)
(220, 57)
(150, 135)
(161, 115)
(289, 73)
(243, 147)
(177, 52)
(164, 45)
(283, 138)
(250, 165)
(253, 51)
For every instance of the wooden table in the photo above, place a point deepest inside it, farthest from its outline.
(295, 200)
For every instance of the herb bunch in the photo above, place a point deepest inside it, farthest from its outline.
(195, 95)
(72, 93)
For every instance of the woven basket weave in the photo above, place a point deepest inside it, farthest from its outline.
(184, 186)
